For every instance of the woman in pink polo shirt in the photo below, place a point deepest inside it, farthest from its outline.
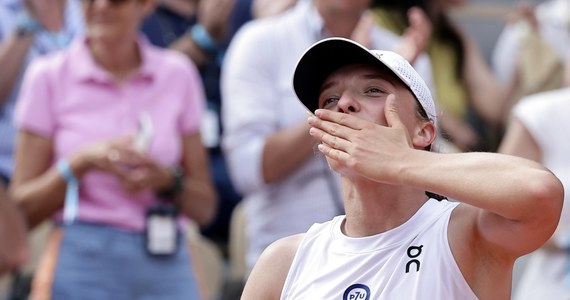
(109, 145)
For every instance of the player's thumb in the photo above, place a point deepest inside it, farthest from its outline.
(391, 112)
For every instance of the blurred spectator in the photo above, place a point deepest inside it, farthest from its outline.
(13, 252)
(242, 14)
(109, 131)
(532, 50)
(271, 158)
(567, 71)
(267, 8)
(539, 130)
(183, 25)
(466, 91)
(28, 29)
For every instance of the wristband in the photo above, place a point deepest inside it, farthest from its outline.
(201, 36)
(27, 25)
(71, 203)
(171, 192)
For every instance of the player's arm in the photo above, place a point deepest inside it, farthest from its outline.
(517, 202)
(269, 273)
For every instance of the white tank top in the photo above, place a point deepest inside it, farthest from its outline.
(411, 261)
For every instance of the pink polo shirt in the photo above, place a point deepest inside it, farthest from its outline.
(69, 99)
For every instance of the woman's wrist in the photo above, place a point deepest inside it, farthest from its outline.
(79, 165)
(203, 39)
(174, 186)
(27, 25)
(165, 179)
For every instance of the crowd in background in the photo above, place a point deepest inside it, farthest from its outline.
(116, 113)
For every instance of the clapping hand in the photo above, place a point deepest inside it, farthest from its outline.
(416, 37)
(526, 12)
(50, 13)
(135, 170)
(215, 16)
(363, 31)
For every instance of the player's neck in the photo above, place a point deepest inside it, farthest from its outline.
(370, 211)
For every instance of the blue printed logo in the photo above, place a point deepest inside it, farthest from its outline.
(357, 292)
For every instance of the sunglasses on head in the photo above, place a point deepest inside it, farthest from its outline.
(113, 2)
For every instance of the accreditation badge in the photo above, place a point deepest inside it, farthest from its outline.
(161, 234)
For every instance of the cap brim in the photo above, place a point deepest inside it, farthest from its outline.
(322, 59)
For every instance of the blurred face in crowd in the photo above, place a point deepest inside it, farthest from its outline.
(344, 6)
(446, 4)
(50, 13)
(115, 19)
(267, 8)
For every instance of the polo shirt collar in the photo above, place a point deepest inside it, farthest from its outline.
(88, 70)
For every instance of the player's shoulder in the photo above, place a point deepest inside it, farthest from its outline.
(268, 276)
(284, 248)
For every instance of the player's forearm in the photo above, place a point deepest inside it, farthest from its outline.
(509, 186)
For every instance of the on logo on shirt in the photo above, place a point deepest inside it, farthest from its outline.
(413, 252)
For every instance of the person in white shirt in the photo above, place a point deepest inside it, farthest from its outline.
(271, 160)
(552, 21)
(532, 53)
(538, 131)
(375, 120)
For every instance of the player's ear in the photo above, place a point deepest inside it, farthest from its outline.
(424, 134)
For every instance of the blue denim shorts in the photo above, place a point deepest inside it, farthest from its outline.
(99, 262)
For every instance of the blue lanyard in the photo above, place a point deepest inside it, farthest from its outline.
(71, 205)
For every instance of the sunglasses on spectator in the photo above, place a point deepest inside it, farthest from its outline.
(113, 2)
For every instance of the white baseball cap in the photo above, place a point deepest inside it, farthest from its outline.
(328, 55)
